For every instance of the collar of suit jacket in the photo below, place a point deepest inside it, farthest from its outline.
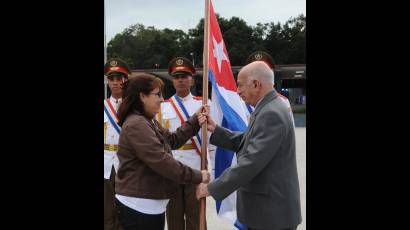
(267, 98)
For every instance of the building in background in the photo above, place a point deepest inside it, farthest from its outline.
(290, 80)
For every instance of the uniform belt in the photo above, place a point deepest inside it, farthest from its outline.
(110, 147)
(187, 147)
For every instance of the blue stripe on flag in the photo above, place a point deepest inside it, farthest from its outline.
(223, 160)
(239, 225)
(235, 122)
(250, 110)
(223, 157)
(232, 121)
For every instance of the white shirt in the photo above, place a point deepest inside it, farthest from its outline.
(147, 206)
(111, 137)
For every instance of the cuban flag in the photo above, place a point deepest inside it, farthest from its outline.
(227, 110)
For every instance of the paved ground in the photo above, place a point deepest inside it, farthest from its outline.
(216, 223)
(300, 119)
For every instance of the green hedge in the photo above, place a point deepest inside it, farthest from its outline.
(299, 109)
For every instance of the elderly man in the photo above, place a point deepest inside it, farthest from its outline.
(265, 176)
(265, 57)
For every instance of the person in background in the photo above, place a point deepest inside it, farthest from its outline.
(117, 73)
(265, 57)
(183, 208)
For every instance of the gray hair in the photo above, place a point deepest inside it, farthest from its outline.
(263, 73)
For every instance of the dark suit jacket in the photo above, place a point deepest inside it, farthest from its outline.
(265, 176)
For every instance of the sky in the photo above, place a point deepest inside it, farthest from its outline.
(186, 14)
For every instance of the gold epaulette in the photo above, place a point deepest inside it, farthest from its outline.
(187, 147)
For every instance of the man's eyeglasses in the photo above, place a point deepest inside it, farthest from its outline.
(159, 94)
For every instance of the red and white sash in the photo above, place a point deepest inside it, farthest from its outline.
(184, 116)
(111, 114)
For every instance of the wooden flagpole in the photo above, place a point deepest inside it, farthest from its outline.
(204, 140)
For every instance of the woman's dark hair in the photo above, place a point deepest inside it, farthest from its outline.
(142, 83)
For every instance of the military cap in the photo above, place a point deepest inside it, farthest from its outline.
(116, 67)
(180, 66)
(261, 56)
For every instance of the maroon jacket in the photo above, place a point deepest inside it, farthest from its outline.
(147, 168)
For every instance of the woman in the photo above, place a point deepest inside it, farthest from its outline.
(148, 175)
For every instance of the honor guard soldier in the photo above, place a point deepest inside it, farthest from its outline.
(265, 57)
(183, 208)
(117, 73)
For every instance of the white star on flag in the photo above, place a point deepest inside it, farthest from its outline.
(219, 53)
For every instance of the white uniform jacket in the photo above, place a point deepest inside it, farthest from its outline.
(110, 141)
(170, 120)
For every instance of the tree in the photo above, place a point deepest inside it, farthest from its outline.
(144, 47)
(237, 36)
(287, 44)
(296, 34)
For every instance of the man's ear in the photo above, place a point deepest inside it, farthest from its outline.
(256, 83)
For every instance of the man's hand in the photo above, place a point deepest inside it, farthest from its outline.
(201, 119)
(205, 116)
(205, 176)
(202, 191)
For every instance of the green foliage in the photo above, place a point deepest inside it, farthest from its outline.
(143, 47)
(299, 109)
